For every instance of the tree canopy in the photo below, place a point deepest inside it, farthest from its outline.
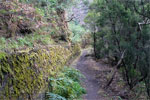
(122, 27)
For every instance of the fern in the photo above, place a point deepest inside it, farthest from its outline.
(67, 84)
(52, 96)
(73, 74)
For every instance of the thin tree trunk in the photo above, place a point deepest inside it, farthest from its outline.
(94, 38)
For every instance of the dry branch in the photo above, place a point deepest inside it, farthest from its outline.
(115, 69)
(71, 18)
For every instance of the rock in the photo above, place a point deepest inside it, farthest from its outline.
(24, 74)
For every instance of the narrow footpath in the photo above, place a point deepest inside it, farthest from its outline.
(88, 68)
(95, 78)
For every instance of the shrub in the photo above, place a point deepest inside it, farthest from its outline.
(66, 85)
(77, 32)
(122, 34)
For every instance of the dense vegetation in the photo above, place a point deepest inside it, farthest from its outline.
(39, 37)
(66, 85)
(34, 23)
(121, 32)
(37, 40)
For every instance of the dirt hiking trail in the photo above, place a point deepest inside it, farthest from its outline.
(94, 80)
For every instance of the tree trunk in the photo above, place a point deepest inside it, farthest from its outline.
(94, 40)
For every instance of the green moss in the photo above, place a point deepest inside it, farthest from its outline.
(2, 55)
(25, 72)
(76, 49)
(2, 11)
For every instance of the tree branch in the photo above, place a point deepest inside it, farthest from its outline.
(115, 70)
(71, 18)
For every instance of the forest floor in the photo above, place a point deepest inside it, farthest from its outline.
(97, 74)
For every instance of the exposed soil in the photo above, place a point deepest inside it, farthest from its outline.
(97, 75)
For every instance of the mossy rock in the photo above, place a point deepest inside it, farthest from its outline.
(24, 74)
(76, 49)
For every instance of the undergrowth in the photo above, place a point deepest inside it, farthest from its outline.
(66, 85)
(77, 32)
(30, 40)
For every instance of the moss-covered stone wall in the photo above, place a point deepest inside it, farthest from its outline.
(24, 74)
